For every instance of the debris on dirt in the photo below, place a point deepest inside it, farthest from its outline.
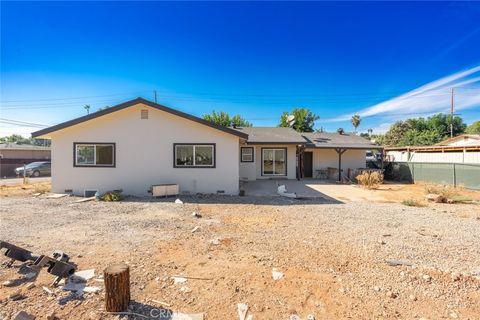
(162, 303)
(294, 317)
(37, 194)
(395, 263)
(57, 195)
(74, 286)
(86, 199)
(276, 275)
(310, 317)
(195, 229)
(177, 280)
(242, 309)
(30, 275)
(30, 285)
(178, 201)
(83, 275)
(435, 198)
(7, 283)
(91, 289)
(22, 315)
(215, 241)
(48, 291)
(196, 214)
(16, 296)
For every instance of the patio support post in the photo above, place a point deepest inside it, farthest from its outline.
(340, 151)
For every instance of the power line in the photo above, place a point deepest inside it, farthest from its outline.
(277, 101)
(25, 122)
(242, 95)
(75, 98)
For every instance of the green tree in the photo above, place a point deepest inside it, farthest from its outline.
(224, 119)
(15, 138)
(87, 107)
(340, 131)
(303, 120)
(356, 122)
(421, 131)
(474, 128)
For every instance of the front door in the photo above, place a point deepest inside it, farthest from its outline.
(308, 164)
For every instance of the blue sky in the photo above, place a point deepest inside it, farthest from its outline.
(256, 59)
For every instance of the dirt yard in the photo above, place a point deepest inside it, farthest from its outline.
(333, 256)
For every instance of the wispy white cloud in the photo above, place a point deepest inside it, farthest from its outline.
(430, 98)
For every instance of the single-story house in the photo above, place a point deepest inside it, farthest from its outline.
(13, 155)
(139, 143)
(464, 148)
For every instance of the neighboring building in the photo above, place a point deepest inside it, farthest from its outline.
(137, 144)
(13, 155)
(461, 149)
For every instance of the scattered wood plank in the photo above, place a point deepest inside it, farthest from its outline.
(86, 199)
(193, 278)
(57, 195)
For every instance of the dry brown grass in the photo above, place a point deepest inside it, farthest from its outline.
(370, 180)
(22, 190)
(446, 191)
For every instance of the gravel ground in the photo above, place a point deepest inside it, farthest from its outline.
(332, 256)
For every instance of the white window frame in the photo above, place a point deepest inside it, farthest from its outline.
(251, 154)
(94, 145)
(194, 145)
(273, 164)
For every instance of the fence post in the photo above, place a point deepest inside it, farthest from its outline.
(454, 175)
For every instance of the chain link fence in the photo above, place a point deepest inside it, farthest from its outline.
(467, 175)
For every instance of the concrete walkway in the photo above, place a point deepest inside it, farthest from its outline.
(312, 188)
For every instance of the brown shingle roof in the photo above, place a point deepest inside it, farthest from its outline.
(272, 135)
(335, 140)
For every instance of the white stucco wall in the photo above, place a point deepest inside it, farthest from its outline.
(324, 158)
(291, 161)
(144, 154)
(253, 170)
(248, 170)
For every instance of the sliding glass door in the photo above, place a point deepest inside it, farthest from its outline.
(274, 162)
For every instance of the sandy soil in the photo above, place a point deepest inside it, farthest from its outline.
(332, 257)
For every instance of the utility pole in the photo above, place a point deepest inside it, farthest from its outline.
(155, 95)
(451, 113)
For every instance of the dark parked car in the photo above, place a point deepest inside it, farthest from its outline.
(35, 169)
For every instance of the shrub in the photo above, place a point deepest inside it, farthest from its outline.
(111, 196)
(446, 191)
(412, 203)
(370, 179)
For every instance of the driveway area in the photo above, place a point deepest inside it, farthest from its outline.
(335, 192)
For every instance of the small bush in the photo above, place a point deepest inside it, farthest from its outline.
(111, 196)
(412, 203)
(370, 179)
(446, 191)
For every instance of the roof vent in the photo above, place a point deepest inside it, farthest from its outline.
(144, 114)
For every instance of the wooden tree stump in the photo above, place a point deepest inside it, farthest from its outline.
(117, 287)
